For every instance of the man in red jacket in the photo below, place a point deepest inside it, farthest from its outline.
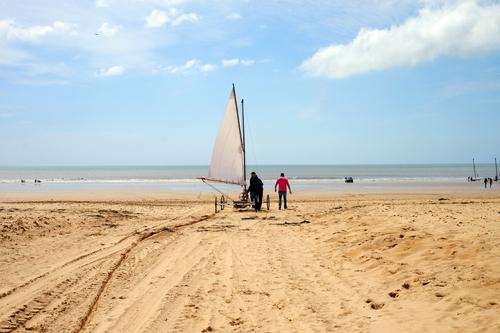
(282, 184)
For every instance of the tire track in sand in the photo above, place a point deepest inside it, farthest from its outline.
(47, 293)
(124, 255)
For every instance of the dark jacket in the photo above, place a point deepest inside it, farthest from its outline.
(256, 185)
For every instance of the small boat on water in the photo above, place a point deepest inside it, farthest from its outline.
(474, 174)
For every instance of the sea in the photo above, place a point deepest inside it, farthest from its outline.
(183, 178)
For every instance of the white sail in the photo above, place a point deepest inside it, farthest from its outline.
(227, 162)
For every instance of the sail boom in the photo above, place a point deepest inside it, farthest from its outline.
(221, 181)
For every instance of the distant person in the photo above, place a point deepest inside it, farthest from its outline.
(282, 184)
(256, 189)
(485, 182)
(491, 181)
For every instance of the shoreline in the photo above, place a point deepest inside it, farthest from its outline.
(199, 188)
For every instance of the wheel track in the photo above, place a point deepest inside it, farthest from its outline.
(29, 310)
(124, 255)
(89, 254)
(147, 294)
(209, 300)
(34, 296)
(188, 303)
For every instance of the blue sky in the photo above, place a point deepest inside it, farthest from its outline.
(134, 82)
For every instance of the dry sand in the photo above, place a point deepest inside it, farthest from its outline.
(167, 263)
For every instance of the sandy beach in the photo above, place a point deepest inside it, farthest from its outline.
(109, 262)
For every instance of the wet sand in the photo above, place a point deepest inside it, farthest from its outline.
(164, 262)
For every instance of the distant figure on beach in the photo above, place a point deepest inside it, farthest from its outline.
(282, 184)
(256, 189)
(485, 182)
(491, 181)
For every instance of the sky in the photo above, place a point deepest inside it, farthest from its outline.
(145, 82)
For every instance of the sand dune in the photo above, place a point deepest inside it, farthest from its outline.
(346, 263)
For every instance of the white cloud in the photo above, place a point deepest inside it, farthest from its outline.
(174, 2)
(236, 62)
(230, 62)
(191, 17)
(111, 71)
(191, 66)
(247, 62)
(208, 68)
(463, 28)
(156, 19)
(233, 17)
(108, 30)
(101, 3)
(174, 17)
(11, 31)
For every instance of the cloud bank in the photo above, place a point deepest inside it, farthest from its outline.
(191, 66)
(158, 18)
(12, 31)
(462, 29)
(235, 62)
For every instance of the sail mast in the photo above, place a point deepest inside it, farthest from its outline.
(496, 170)
(242, 133)
(244, 146)
(474, 166)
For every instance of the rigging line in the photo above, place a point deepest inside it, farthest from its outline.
(250, 132)
(216, 189)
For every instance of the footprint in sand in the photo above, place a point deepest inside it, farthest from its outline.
(236, 322)
(377, 306)
(374, 305)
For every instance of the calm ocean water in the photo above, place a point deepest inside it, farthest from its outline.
(183, 178)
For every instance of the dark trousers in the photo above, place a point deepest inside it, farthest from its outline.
(258, 200)
(282, 195)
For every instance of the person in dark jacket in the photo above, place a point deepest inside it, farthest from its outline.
(256, 188)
